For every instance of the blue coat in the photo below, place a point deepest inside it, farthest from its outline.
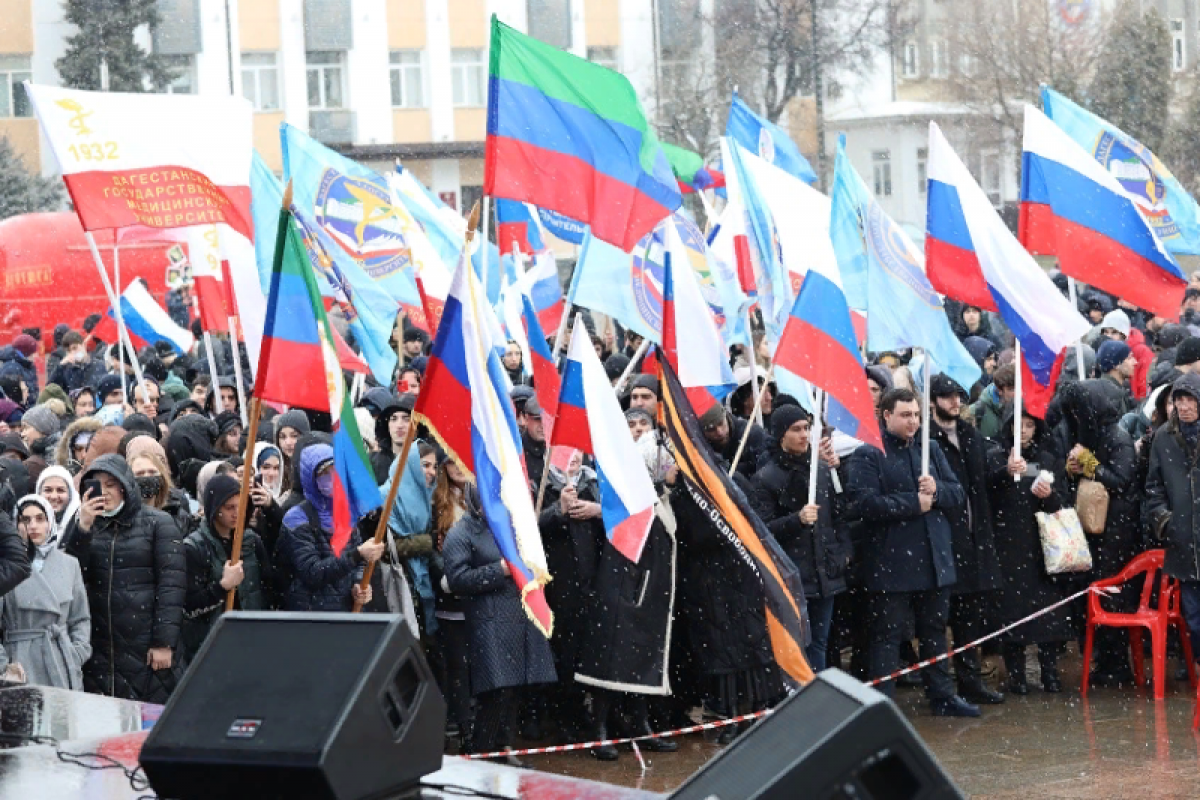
(13, 363)
(903, 549)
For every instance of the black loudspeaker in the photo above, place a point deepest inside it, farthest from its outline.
(283, 705)
(836, 739)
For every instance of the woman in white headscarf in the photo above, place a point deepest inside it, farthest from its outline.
(46, 620)
(56, 485)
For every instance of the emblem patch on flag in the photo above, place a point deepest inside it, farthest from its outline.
(359, 216)
(1133, 167)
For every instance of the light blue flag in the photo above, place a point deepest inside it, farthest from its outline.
(883, 273)
(1172, 213)
(766, 139)
(774, 282)
(605, 280)
(372, 332)
(429, 210)
(352, 205)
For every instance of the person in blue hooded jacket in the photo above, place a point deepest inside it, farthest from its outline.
(322, 580)
(408, 528)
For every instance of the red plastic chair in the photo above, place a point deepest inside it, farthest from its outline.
(1157, 620)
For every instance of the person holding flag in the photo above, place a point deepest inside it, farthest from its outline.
(908, 564)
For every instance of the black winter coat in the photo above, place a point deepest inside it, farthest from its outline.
(628, 635)
(1090, 418)
(573, 549)
(136, 576)
(821, 552)
(755, 445)
(720, 600)
(976, 565)
(320, 580)
(903, 549)
(14, 556)
(1027, 588)
(1172, 496)
(506, 649)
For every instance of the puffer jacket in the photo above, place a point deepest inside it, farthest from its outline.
(136, 576)
(13, 363)
(321, 580)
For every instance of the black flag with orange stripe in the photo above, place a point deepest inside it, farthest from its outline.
(713, 490)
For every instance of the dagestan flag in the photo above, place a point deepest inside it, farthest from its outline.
(711, 488)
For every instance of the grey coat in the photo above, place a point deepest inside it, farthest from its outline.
(1172, 502)
(506, 649)
(47, 624)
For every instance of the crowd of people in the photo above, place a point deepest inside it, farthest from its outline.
(119, 499)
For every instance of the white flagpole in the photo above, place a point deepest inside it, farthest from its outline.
(633, 362)
(212, 361)
(814, 447)
(1078, 342)
(483, 244)
(753, 358)
(115, 302)
(925, 395)
(120, 316)
(1017, 405)
(237, 370)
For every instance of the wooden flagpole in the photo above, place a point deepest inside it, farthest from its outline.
(244, 495)
(382, 526)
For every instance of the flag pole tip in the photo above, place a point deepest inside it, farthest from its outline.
(473, 220)
(287, 195)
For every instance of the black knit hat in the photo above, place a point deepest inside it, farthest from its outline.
(783, 418)
(1188, 352)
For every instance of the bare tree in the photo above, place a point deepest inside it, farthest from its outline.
(1004, 50)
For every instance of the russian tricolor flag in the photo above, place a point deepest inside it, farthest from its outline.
(516, 227)
(542, 286)
(703, 362)
(1074, 208)
(590, 419)
(146, 319)
(972, 256)
(818, 344)
(465, 402)
(546, 381)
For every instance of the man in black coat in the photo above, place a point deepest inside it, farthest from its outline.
(14, 556)
(976, 564)
(1172, 503)
(724, 432)
(908, 560)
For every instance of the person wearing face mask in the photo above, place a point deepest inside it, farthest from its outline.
(148, 461)
(136, 577)
(322, 580)
(211, 571)
(56, 485)
(47, 624)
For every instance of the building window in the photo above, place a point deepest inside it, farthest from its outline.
(881, 164)
(990, 179)
(911, 64)
(675, 74)
(940, 59)
(13, 100)
(326, 79)
(966, 65)
(260, 80)
(183, 68)
(922, 170)
(550, 21)
(1178, 47)
(467, 72)
(604, 56)
(408, 90)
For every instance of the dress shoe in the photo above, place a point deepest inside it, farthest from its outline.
(1018, 683)
(658, 745)
(980, 695)
(953, 706)
(532, 730)
(605, 752)
(1051, 683)
(912, 680)
(508, 761)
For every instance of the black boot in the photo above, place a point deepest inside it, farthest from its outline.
(640, 724)
(601, 703)
(970, 682)
(1014, 665)
(1048, 660)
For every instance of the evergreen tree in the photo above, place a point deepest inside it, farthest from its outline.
(105, 34)
(1132, 88)
(22, 191)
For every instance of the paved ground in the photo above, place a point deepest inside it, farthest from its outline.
(1118, 744)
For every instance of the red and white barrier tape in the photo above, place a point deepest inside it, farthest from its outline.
(721, 723)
